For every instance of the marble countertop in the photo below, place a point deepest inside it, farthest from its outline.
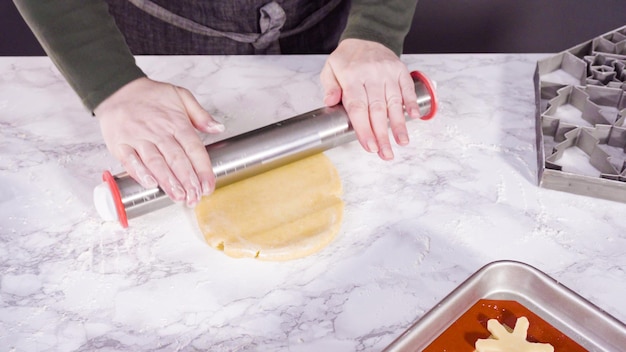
(464, 193)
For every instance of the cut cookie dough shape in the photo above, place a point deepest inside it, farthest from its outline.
(283, 214)
(506, 341)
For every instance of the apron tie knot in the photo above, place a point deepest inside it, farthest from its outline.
(272, 18)
(271, 22)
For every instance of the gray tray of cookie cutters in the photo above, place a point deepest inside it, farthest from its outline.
(580, 97)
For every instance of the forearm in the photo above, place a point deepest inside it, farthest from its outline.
(82, 40)
(386, 22)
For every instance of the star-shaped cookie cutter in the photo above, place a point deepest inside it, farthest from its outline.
(607, 71)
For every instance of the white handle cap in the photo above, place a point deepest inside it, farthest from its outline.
(105, 205)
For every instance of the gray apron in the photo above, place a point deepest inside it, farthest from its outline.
(230, 27)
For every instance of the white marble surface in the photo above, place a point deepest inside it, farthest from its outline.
(461, 195)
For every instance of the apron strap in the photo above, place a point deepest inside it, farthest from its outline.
(271, 21)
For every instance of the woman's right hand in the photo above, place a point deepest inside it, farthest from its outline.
(151, 127)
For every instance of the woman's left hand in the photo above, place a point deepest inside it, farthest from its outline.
(375, 88)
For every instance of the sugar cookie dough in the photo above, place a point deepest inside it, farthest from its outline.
(282, 214)
(504, 340)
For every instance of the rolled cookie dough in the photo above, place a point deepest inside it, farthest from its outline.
(282, 214)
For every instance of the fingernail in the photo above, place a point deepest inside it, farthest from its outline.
(150, 182)
(192, 198)
(403, 139)
(215, 127)
(206, 188)
(331, 97)
(372, 146)
(177, 190)
(387, 153)
(414, 113)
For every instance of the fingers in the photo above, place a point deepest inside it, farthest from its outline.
(146, 162)
(355, 103)
(378, 115)
(384, 109)
(199, 117)
(332, 88)
(395, 111)
(409, 97)
(149, 127)
(166, 166)
(372, 109)
(181, 176)
(195, 150)
(376, 89)
(197, 164)
(136, 168)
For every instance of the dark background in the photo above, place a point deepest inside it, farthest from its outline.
(446, 26)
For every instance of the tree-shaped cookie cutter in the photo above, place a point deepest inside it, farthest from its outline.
(612, 43)
(590, 102)
(578, 98)
(589, 141)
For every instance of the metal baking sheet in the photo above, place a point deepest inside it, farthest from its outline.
(567, 311)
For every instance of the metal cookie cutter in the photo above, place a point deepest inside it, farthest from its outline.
(580, 97)
(591, 142)
(120, 197)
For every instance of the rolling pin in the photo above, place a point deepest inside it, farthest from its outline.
(120, 197)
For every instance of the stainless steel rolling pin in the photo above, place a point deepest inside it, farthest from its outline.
(120, 197)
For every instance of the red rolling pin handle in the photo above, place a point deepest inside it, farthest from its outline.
(116, 196)
(418, 76)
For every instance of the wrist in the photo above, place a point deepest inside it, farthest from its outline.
(125, 93)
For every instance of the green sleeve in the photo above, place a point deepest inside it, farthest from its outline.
(386, 22)
(81, 38)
